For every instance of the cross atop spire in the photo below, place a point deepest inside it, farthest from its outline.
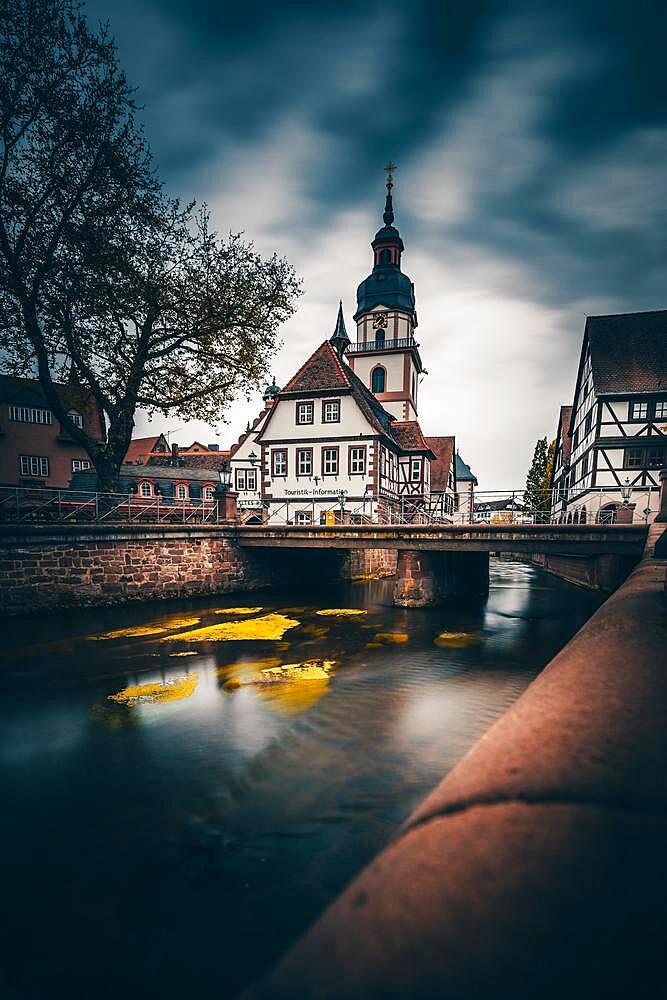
(388, 215)
(340, 340)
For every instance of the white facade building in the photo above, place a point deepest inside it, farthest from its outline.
(341, 439)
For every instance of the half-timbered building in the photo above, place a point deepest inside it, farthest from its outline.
(612, 444)
(342, 439)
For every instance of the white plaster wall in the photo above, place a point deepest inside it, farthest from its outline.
(393, 363)
(283, 425)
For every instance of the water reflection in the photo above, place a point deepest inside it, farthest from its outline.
(211, 829)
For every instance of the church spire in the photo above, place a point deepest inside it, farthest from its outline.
(340, 340)
(388, 216)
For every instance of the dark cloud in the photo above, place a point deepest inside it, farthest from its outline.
(532, 144)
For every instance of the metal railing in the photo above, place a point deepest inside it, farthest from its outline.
(41, 505)
(381, 344)
(596, 506)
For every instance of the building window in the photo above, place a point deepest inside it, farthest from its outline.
(634, 458)
(379, 338)
(656, 458)
(330, 461)
(76, 418)
(79, 464)
(240, 480)
(584, 464)
(589, 422)
(575, 439)
(415, 469)
(181, 491)
(639, 411)
(146, 489)
(378, 379)
(34, 465)
(208, 493)
(303, 517)
(30, 415)
(305, 413)
(331, 411)
(304, 461)
(279, 462)
(661, 410)
(357, 461)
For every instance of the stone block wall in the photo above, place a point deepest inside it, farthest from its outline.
(376, 564)
(75, 566)
(604, 573)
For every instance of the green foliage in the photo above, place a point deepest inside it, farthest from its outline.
(104, 281)
(537, 493)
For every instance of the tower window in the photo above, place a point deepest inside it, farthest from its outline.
(378, 379)
(379, 338)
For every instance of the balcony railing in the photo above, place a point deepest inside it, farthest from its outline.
(382, 345)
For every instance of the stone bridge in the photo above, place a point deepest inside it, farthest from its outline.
(445, 560)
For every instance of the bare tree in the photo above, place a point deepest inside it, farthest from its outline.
(104, 281)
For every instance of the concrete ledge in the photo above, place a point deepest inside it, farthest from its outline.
(537, 867)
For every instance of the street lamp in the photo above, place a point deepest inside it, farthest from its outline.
(253, 459)
(225, 476)
(626, 491)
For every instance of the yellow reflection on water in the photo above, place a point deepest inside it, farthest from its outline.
(139, 630)
(286, 673)
(236, 611)
(457, 640)
(391, 638)
(342, 611)
(270, 626)
(292, 699)
(180, 687)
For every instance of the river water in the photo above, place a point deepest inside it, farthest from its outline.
(173, 848)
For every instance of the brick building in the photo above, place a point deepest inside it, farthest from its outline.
(34, 448)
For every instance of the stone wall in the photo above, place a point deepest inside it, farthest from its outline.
(359, 564)
(74, 566)
(593, 572)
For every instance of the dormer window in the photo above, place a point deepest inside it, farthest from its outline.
(208, 493)
(76, 418)
(181, 491)
(305, 413)
(145, 488)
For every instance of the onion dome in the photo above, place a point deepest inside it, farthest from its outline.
(271, 391)
(387, 285)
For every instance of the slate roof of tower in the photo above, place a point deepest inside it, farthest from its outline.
(463, 471)
(628, 351)
(443, 448)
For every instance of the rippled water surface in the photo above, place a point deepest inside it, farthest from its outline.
(171, 844)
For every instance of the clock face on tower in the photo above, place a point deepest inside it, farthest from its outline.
(380, 321)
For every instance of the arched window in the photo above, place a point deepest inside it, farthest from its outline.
(208, 493)
(181, 491)
(378, 377)
(146, 489)
(379, 338)
(583, 516)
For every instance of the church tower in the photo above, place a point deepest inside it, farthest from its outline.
(385, 355)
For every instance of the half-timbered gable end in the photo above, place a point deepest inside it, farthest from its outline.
(327, 438)
(617, 430)
(442, 499)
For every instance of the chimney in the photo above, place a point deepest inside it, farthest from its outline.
(213, 447)
(174, 453)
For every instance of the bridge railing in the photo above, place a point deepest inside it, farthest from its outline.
(41, 505)
(594, 506)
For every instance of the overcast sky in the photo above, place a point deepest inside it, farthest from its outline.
(531, 143)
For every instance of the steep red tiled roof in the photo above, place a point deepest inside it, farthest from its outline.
(141, 448)
(628, 351)
(443, 447)
(322, 370)
(566, 440)
(408, 434)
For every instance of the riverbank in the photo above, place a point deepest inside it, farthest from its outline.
(537, 865)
